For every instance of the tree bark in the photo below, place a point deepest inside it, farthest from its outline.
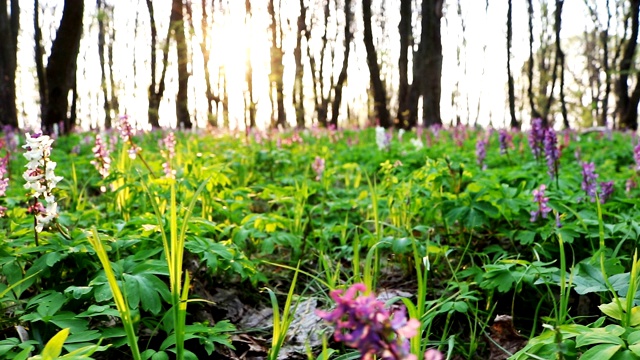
(512, 95)
(381, 111)
(342, 78)
(61, 67)
(431, 42)
(9, 26)
(627, 107)
(250, 103)
(157, 87)
(560, 63)
(405, 32)
(102, 29)
(532, 104)
(277, 67)
(298, 92)
(182, 97)
(605, 68)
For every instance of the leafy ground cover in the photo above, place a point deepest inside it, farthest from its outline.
(259, 245)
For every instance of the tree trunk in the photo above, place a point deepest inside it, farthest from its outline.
(61, 67)
(250, 103)
(405, 32)
(182, 97)
(627, 106)
(378, 88)
(277, 67)
(102, 14)
(560, 62)
(432, 53)
(39, 55)
(157, 87)
(9, 26)
(530, 64)
(298, 93)
(605, 68)
(212, 100)
(342, 78)
(512, 95)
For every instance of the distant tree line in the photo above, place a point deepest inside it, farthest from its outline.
(537, 88)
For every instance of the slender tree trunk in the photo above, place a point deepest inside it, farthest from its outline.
(560, 62)
(9, 27)
(157, 87)
(102, 14)
(512, 95)
(432, 51)
(605, 67)
(378, 88)
(342, 78)
(249, 97)
(298, 93)
(212, 100)
(532, 104)
(61, 67)
(39, 57)
(627, 106)
(405, 31)
(182, 97)
(114, 104)
(277, 67)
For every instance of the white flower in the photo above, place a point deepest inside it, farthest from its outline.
(400, 134)
(381, 138)
(41, 178)
(417, 143)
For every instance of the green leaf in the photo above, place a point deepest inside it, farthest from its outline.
(612, 309)
(598, 336)
(526, 237)
(145, 289)
(53, 348)
(601, 352)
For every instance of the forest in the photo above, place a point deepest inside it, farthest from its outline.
(319, 179)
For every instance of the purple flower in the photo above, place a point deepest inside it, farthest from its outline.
(169, 153)
(505, 138)
(102, 161)
(362, 322)
(551, 151)
(589, 177)
(636, 155)
(4, 182)
(536, 137)
(318, 167)
(606, 190)
(541, 201)
(127, 131)
(630, 184)
(481, 151)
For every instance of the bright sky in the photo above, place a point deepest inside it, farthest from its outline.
(484, 82)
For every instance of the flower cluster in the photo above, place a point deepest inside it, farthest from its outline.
(636, 156)
(102, 161)
(606, 190)
(318, 167)
(41, 179)
(4, 182)
(541, 202)
(383, 139)
(417, 143)
(127, 132)
(536, 137)
(481, 151)
(551, 152)
(505, 139)
(589, 177)
(169, 153)
(364, 323)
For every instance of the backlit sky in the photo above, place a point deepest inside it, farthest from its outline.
(484, 58)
